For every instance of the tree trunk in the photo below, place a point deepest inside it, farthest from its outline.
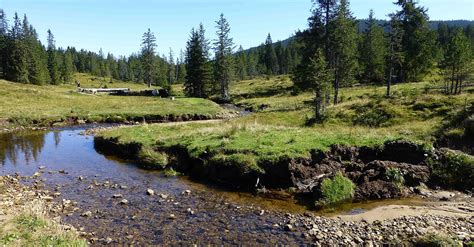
(452, 82)
(336, 91)
(318, 105)
(457, 85)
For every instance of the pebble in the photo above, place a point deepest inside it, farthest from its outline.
(150, 192)
(288, 227)
(171, 217)
(164, 196)
(86, 214)
(124, 202)
(117, 196)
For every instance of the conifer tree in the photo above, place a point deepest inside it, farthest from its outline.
(3, 42)
(171, 68)
(270, 58)
(344, 47)
(17, 60)
(197, 83)
(418, 41)
(373, 52)
(53, 64)
(224, 64)
(241, 64)
(67, 67)
(395, 53)
(148, 56)
(181, 68)
(457, 62)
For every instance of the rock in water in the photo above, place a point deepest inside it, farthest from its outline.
(124, 202)
(150, 192)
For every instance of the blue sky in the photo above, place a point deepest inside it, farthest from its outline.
(116, 26)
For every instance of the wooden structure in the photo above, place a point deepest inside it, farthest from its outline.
(104, 90)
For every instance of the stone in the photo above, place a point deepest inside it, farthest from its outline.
(124, 202)
(117, 196)
(150, 192)
(164, 196)
(86, 214)
(172, 217)
(288, 227)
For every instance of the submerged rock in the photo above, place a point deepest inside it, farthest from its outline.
(150, 192)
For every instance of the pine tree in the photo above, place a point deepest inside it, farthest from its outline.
(320, 80)
(181, 71)
(3, 42)
(457, 62)
(53, 64)
(37, 67)
(373, 52)
(241, 64)
(395, 53)
(344, 47)
(197, 66)
(224, 64)
(67, 67)
(17, 60)
(171, 68)
(418, 41)
(270, 58)
(148, 56)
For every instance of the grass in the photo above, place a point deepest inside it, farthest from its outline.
(436, 240)
(42, 105)
(277, 130)
(336, 190)
(30, 227)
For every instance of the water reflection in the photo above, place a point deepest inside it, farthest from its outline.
(23, 145)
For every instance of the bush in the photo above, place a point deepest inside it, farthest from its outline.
(395, 176)
(436, 240)
(336, 190)
(153, 159)
(374, 115)
(453, 170)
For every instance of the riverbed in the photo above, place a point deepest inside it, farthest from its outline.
(113, 205)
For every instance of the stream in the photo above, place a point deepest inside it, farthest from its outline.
(181, 211)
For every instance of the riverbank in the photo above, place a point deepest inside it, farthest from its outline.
(28, 217)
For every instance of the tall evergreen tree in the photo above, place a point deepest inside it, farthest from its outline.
(67, 67)
(344, 47)
(395, 53)
(37, 67)
(224, 64)
(17, 60)
(270, 58)
(181, 68)
(373, 52)
(241, 64)
(457, 62)
(418, 41)
(197, 83)
(171, 68)
(53, 63)
(3, 42)
(148, 56)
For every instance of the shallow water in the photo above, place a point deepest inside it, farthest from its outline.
(220, 216)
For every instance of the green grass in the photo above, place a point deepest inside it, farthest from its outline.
(436, 240)
(42, 105)
(336, 190)
(32, 230)
(277, 129)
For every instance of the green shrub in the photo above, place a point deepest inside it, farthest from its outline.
(374, 115)
(395, 176)
(453, 170)
(152, 158)
(170, 172)
(436, 240)
(336, 190)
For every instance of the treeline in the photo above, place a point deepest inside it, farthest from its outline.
(335, 54)
(23, 58)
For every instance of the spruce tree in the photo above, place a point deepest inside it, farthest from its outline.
(373, 52)
(37, 67)
(3, 42)
(148, 56)
(224, 64)
(197, 66)
(418, 41)
(171, 68)
(344, 47)
(241, 64)
(17, 60)
(270, 58)
(457, 62)
(67, 67)
(53, 63)
(181, 68)
(395, 53)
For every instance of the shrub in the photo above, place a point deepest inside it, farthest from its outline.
(395, 176)
(436, 240)
(170, 172)
(336, 190)
(453, 170)
(152, 158)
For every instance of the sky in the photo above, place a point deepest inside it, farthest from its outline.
(117, 26)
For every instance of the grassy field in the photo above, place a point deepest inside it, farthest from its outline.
(23, 104)
(277, 128)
